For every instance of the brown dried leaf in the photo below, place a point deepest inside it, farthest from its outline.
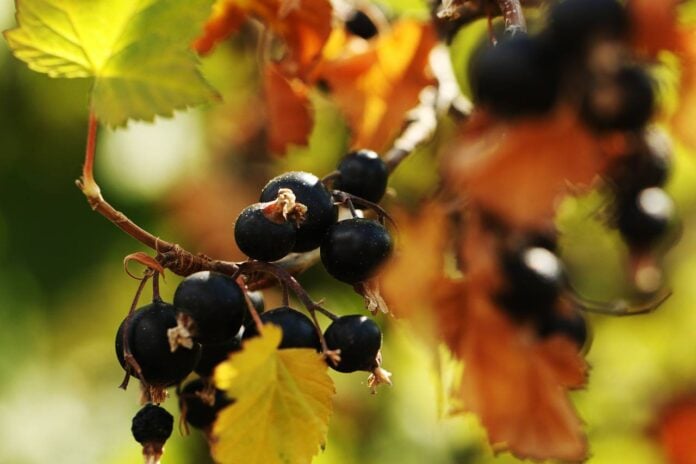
(519, 172)
(289, 114)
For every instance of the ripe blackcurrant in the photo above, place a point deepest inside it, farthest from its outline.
(573, 24)
(260, 236)
(152, 424)
(643, 220)
(213, 354)
(310, 192)
(534, 277)
(358, 23)
(573, 326)
(148, 342)
(363, 174)
(624, 101)
(298, 330)
(353, 250)
(517, 77)
(200, 403)
(648, 164)
(359, 339)
(216, 304)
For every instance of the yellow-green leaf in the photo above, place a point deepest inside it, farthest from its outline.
(282, 407)
(137, 51)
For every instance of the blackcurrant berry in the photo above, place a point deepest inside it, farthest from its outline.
(648, 164)
(534, 277)
(201, 403)
(260, 236)
(573, 24)
(624, 101)
(363, 174)
(572, 326)
(358, 23)
(644, 219)
(353, 250)
(359, 339)
(298, 330)
(516, 77)
(213, 354)
(310, 192)
(216, 304)
(152, 424)
(148, 342)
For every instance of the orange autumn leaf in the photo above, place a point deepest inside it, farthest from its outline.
(683, 119)
(519, 172)
(677, 431)
(374, 88)
(304, 26)
(288, 110)
(653, 25)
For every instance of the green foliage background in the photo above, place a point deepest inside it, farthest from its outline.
(63, 292)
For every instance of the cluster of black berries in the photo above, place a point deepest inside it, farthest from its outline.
(534, 279)
(296, 213)
(581, 59)
(161, 344)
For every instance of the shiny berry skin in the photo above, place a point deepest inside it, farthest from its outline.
(353, 250)
(573, 24)
(644, 219)
(152, 424)
(623, 102)
(199, 413)
(647, 164)
(213, 354)
(363, 174)
(149, 345)
(216, 304)
(259, 237)
(257, 301)
(358, 23)
(516, 77)
(298, 330)
(359, 339)
(534, 277)
(309, 191)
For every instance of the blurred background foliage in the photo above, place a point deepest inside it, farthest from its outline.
(63, 291)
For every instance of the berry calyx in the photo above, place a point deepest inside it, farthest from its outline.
(200, 403)
(310, 192)
(148, 341)
(151, 427)
(298, 330)
(359, 340)
(263, 234)
(353, 250)
(215, 303)
(363, 174)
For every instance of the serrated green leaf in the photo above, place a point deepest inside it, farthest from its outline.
(282, 404)
(137, 51)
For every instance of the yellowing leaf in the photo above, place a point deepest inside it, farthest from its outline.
(137, 51)
(282, 408)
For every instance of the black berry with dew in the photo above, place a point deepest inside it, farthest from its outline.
(267, 231)
(353, 250)
(200, 403)
(575, 24)
(364, 174)
(644, 219)
(152, 426)
(298, 330)
(572, 326)
(147, 332)
(213, 354)
(516, 77)
(623, 101)
(359, 23)
(214, 302)
(359, 340)
(310, 192)
(534, 277)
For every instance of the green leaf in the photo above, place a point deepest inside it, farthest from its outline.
(282, 403)
(137, 51)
